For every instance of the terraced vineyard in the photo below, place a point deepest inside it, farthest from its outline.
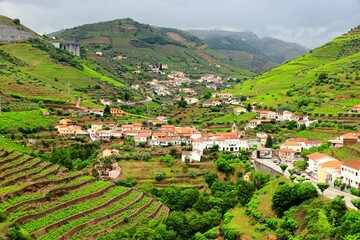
(48, 202)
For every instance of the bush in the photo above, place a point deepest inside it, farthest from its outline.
(355, 192)
(271, 223)
(2, 215)
(128, 182)
(211, 234)
(160, 176)
(230, 233)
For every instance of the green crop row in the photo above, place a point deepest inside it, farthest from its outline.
(8, 145)
(15, 200)
(16, 161)
(27, 120)
(26, 172)
(132, 222)
(78, 193)
(64, 213)
(113, 207)
(95, 228)
(27, 164)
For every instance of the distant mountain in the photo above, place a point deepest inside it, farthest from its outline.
(323, 82)
(140, 44)
(259, 54)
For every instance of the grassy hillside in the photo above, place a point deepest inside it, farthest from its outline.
(36, 71)
(324, 81)
(250, 51)
(47, 202)
(142, 45)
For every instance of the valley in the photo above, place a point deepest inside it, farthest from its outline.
(159, 133)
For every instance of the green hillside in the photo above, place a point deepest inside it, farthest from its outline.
(247, 49)
(36, 71)
(324, 81)
(142, 45)
(44, 201)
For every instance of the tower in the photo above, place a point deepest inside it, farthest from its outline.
(234, 128)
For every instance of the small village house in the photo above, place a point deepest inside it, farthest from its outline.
(350, 171)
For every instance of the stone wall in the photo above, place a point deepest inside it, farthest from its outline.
(259, 166)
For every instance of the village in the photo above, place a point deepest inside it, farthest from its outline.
(192, 142)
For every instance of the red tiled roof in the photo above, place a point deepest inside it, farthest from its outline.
(333, 164)
(349, 135)
(316, 156)
(352, 164)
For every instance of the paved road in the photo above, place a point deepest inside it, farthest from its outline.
(330, 192)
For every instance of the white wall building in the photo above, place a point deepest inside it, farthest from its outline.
(350, 171)
(314, 160)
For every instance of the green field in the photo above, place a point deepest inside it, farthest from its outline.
(297, 85)
(27, 120)
(63, 200)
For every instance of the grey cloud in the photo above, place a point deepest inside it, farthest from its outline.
(307, 22)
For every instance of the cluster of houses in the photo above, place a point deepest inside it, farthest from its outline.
(176, 80)
(265, 116)
(324, 168)
(225, 141)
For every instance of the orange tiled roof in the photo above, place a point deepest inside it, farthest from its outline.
(333, 164)
(316, 156)
(352, 164)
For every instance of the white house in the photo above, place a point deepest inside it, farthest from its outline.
(287, 115)
(239, 110)
(97, 111)
(296, 147)
(314, 160)
(104, 135)
(350, 171)
(306, 143)
(194, 155)
(252, 124)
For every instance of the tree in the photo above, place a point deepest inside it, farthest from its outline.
(302, 127)
(292, 171)
(356, 203)
(224, 166)
(302, 165)
(248, 108)
(322, 186)
(288, 195)
(283, 167)
(292, 178)
(207, 95)
(269, 142)
(259, 178)
(300, 179)
(182, 103)
(16, 21)
(210, 178)
(107, 110)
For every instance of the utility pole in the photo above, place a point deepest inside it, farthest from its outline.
(69, 87)
(0, 105)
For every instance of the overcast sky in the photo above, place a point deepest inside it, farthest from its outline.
(307, 22)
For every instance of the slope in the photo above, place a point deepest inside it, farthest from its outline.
(34, 70)
(44, 201)
(125, 44)
(256, 54)
(324, 81)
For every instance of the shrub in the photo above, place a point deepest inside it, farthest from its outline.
(160, 176)
(2, 215)
(355, 191)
